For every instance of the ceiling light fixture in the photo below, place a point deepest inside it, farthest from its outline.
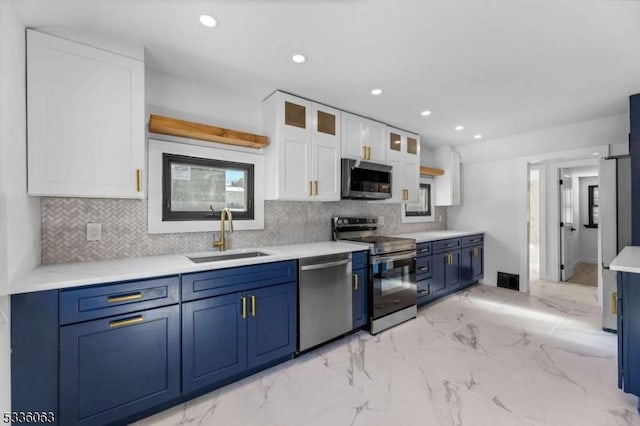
(425, 113)
(458, 128)
(595, 153)
(376, 92)
(298, 58)
(478, 136)
(208, 21)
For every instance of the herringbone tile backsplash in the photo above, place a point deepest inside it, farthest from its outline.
(124, 227)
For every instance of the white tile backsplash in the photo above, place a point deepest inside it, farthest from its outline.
(124, 227)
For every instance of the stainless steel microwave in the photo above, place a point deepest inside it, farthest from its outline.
(363, 180)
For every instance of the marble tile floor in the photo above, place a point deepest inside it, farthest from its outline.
(485, 356)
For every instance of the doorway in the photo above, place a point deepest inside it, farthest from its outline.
(579, 218)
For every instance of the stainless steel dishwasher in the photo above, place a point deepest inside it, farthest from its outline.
(324, 292)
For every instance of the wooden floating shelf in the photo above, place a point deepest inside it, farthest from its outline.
(188, 129)
(431, 171)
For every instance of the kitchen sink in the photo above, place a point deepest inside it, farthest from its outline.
(230, 256)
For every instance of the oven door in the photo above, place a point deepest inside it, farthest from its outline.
(393, 282)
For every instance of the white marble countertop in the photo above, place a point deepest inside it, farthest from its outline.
(51, 277)
(627, 261)
(423, 237)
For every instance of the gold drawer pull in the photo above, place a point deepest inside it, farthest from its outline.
(253, 305)
(614, 303)
(310, 187)
(244, 307)
(315, 183)
(128, 321)
(124, 298)
(355, 278)
(138, 180)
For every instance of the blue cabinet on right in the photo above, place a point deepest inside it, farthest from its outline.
(446, 266)
(629, 332)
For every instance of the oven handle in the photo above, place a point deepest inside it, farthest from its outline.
(325, 265)
(403, 256)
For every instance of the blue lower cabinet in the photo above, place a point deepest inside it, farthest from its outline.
(471, 264)
(629, 332)
(214, 334)
(226, 336)
(446, 272)
(360, 285)
(271, 323)
(116, 367)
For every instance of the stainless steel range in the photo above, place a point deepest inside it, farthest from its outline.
(392, 285)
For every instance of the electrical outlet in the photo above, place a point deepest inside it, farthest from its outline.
(439, 218)
(94, 231)
(380, 220)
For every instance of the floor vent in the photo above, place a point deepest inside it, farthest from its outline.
(510, 281)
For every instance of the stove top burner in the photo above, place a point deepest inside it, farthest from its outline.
(363, 231)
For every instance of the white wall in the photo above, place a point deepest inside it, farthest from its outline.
(495, 194)
(183, 99)
(19, 214)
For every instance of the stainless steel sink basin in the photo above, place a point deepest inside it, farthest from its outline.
(230, 256)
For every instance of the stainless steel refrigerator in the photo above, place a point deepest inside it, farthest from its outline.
(615, 226)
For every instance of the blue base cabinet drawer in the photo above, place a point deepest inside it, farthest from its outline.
(446, 245)
(199, 285)
(119, 366)
(424, 249)
(101, 301)
(473, 240)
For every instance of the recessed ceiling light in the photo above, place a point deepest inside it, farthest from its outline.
(567, 176)
(208, 21)
(376, 92)
(478, 136)
(425, 113)
(298, 58)
(595, 153)
(458, 128)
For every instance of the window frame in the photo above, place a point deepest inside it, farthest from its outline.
(172, 216)
(591, 205)
(418, 218)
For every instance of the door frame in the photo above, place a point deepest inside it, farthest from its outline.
(551, 160)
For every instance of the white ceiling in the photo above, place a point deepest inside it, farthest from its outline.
(499, 67)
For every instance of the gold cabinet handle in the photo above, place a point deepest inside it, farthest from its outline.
(310, 187)
(253, 305)
(315, 183)
(614, 303)
(128, 321)
(364, 152)
(138, 180)
(368, 153)
(124, 298)
(244, 307)
(355, 279)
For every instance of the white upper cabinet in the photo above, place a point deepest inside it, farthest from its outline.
(85, 109)
(303, 155)
(363, 139)
(447, 186)
(403, 155)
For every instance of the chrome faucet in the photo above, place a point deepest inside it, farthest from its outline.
(222, 242)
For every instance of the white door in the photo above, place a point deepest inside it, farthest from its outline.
(376, 140)
(567, 228)
(353, 135)
(295, 139)
(325, 140)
